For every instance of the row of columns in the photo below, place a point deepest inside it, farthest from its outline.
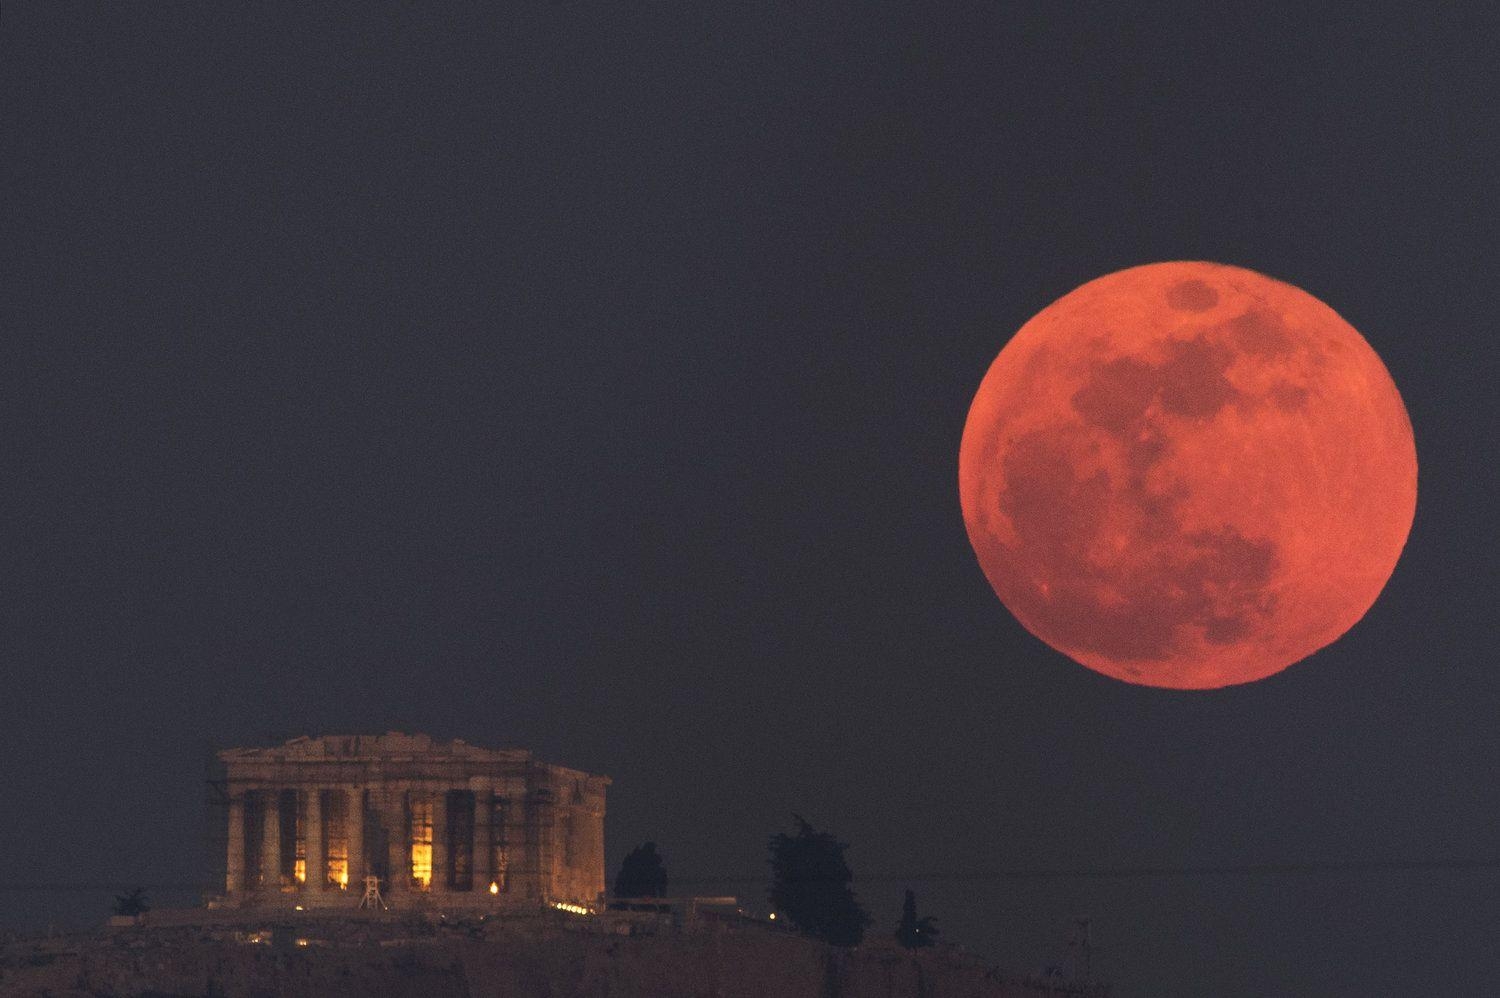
(390, 806)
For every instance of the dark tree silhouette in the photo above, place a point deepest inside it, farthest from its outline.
(133, 903)
(810, 886)
(914, 932)
(642, 874)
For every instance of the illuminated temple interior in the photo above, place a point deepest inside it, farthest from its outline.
(438, 823)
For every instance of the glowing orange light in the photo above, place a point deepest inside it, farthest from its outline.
(421, 843)
(338, 870)
(494, 887)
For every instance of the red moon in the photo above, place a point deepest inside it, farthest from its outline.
(1187, 475)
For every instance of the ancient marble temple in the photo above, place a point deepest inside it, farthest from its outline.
(441, 824)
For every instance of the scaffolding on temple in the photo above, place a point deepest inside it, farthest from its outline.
(372, 898)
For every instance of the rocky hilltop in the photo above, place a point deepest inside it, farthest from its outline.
(537, 958)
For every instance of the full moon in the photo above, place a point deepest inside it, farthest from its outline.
(1187, 475)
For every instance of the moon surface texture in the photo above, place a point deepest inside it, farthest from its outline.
(1188, 475)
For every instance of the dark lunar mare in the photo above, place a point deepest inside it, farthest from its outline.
(1211, 579)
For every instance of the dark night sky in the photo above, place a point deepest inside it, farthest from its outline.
(591, 379)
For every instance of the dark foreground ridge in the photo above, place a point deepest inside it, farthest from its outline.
(551, 955)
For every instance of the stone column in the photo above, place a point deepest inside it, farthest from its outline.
(440, 881)
(234, 869)
(589, 827)
(270, 842)
(312, 837)
(398, 852)
(355, 830)
(541, 815)
(482, 849)
(514, 833)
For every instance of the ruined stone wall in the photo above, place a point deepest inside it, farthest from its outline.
(578, 837)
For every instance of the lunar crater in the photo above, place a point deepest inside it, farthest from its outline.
(1192, 295)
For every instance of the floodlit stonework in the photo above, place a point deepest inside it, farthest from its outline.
(441, 824)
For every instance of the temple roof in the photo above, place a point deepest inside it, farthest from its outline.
(393, 751)
(392, 744)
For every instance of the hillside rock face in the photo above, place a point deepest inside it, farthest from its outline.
(496, 965)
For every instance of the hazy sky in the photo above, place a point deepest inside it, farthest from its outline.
(590, 379)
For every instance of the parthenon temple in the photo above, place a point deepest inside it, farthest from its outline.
(440, 824)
